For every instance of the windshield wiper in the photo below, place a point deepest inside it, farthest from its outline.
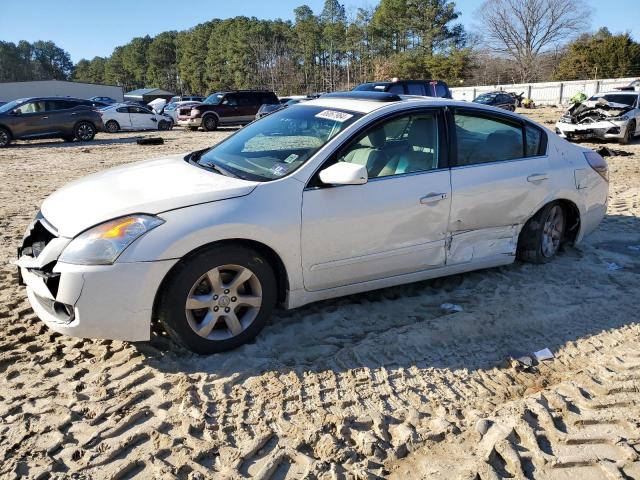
(219, 170)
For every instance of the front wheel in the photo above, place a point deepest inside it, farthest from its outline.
(112, 126)
(628, 133)
(209, 123)
(217, 299)
(542, 236)
(163, 125)
(5, 137)
(84, 131)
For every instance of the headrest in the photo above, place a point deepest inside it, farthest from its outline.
(375, 139)
(422, 132)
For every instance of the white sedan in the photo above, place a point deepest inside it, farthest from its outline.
(133, 117)
(339, 195)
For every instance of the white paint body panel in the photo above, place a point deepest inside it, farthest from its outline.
(332, 241)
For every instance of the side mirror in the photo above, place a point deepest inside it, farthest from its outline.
(344, 173)
(17, 111)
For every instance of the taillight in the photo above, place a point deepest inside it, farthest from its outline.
(598, 163)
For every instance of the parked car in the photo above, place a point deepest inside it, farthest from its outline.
(497, 99)
(635, 85)
(346, 193)
(269, 108)
(49, 117)
(610, 115)
(133, 117)
(173, 108)
(104, 100)
(225, 108)
(424, 88)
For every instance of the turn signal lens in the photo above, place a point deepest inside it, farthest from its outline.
(599, 164)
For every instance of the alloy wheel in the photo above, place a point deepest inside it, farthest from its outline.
(224, 302)
(552, 231)
(4, 138)
(85, 132)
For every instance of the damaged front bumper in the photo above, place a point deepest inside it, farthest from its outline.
(605, 129)
(92, 301)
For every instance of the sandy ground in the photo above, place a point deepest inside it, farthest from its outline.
(383, 384)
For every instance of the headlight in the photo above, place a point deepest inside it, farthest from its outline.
(621, 118)
(103, 244)
(195, 112)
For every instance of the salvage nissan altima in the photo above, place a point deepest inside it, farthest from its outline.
(346, 193)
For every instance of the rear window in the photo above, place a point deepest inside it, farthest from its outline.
(535, 140)
(441, 90)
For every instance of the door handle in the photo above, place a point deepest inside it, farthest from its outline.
(44, 118)
(537, 177)
(433, 198)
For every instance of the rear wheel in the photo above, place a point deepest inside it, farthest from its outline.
(629, 133)
(217, 299)
(209, 123)
(542, 236)
(5, 137)
(84, 131)
(112, 126)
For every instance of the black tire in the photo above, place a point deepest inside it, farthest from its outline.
(84, 131)
(531, 247)
(112, 126)
(209, 123)
(162, 125)
(5, 137)
(628, 134)
(172, 297)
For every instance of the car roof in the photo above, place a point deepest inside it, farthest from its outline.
(350, 101)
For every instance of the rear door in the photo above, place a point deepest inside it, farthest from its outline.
(499, 177)
(59, 115)
(123, 117)
(248, 105)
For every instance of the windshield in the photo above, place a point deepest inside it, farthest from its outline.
(214, 99)
(11, 105)
(278, 144)
(628, 100)
(485, 98)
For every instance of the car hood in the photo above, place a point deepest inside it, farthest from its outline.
(152, 186)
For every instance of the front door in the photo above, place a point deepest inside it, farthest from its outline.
(142, 119)
(32, 120)
(501, 176)
(394, 224)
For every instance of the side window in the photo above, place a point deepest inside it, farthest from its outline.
(396, 88)
(121, 109)
(231, 100)
(405, 144)
(536, 141)
(59, 105)
(483, 140)
(32, 107)
(441, 90)
(245, 99)
(415, 89)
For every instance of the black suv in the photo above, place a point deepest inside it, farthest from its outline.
(237, 107)
(424, 88)
(49, 117)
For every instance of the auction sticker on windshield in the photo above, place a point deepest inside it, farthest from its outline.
(334, 115)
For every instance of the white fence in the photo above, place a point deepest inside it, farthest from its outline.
(548, 93)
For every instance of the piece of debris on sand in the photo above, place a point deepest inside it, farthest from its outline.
(610, 152)
(150, 141)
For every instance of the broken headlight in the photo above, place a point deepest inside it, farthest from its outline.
(621, 118)
(103, 244)
(565, 119)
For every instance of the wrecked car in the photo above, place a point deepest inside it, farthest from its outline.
(343, 194)
(612, 115)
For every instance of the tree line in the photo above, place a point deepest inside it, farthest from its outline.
(518, 41)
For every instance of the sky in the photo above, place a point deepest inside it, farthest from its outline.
(89, 29)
